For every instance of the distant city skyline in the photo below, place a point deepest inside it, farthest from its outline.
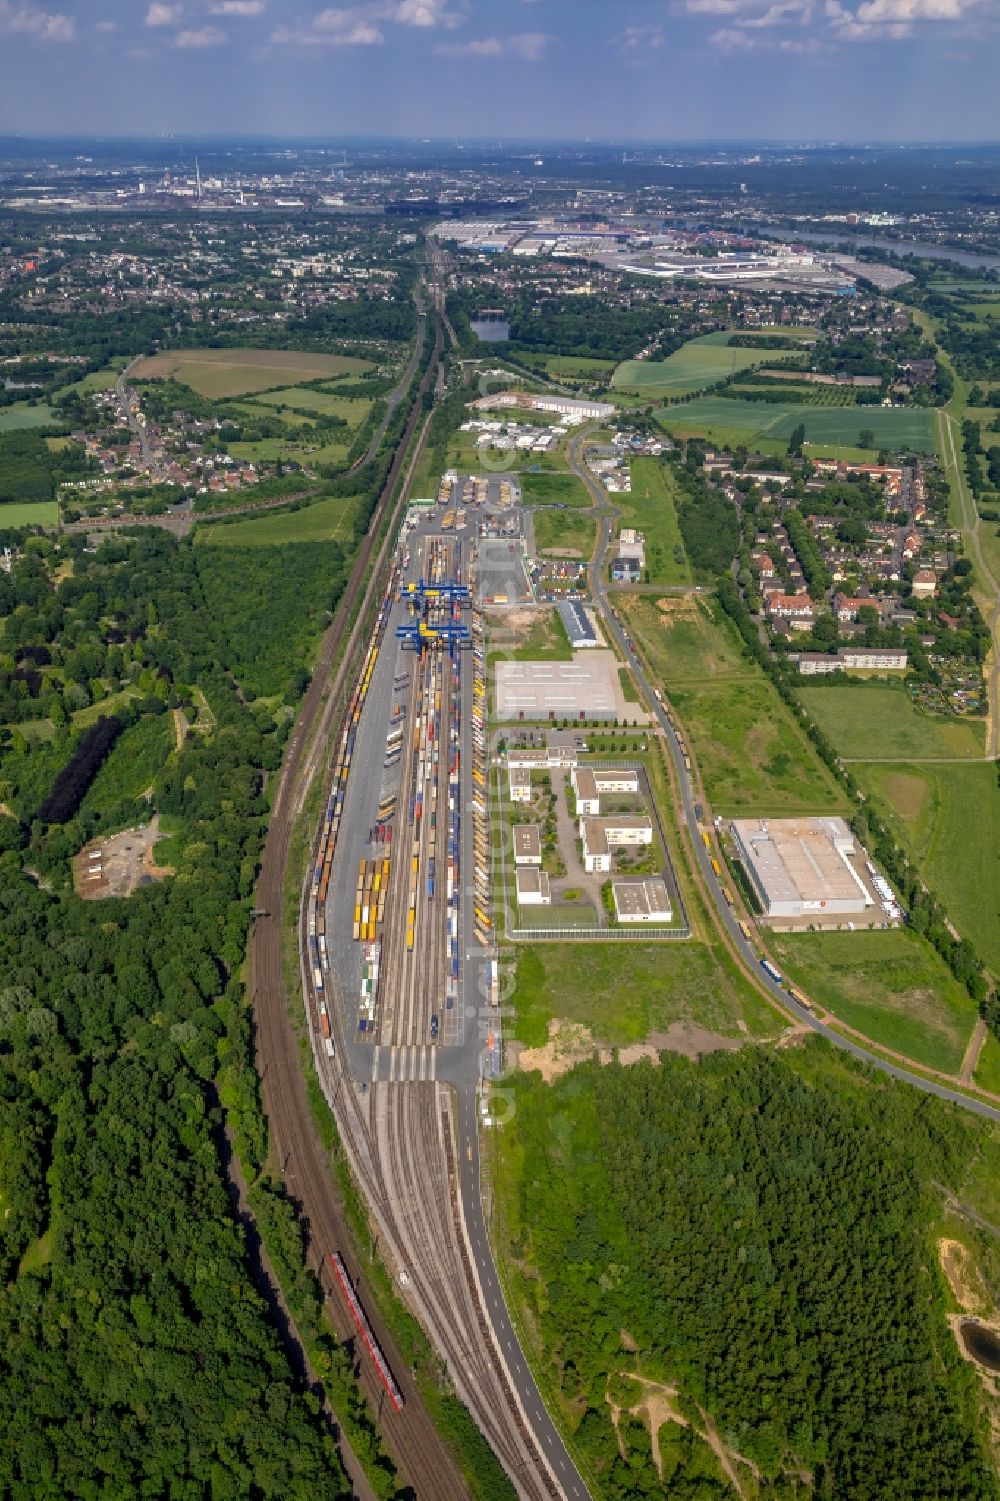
(631, 70)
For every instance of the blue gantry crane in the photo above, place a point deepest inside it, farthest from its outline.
(425, 592)
(423, 634)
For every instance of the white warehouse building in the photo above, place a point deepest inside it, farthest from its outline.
(799, 866)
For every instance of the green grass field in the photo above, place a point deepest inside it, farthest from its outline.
(988, 1070)
(567, 533)
(353, 409)
(667, 982)
(268, 450)
(98, 380)
(546, 641)
(685, 640)
(745, 421)
(15, 513)
(650, 508)
(570, 366)
(873, 720)
(236, 372)
(891, 986)
(554, 490)
(322, 521)
(697, 364)
(22, 415)
(753, 757)
(948, 818)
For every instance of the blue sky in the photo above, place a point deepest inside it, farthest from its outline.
(607, 69)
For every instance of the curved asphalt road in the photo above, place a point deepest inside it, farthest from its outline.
(710, 880)
(545, 1433)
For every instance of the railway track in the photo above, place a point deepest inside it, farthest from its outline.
(424, 1461)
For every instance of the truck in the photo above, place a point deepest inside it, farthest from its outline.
(772, 970)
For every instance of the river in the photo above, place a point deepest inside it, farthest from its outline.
(833, 238)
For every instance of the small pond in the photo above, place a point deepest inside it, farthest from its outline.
(981, 1343)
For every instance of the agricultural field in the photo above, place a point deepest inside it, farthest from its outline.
(875, 721)
(554, 490)
(570, 366)
(236, 372)
(322, 521)
(889, 985)
(729, 421)
(564, 533)
(29, 513)
(269, 450)
(668, 982)
(22, 415)
(650, 508)
(698, 363)
(353, 409)
(752, 756)
(948, 819)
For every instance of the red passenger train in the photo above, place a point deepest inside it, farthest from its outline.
(361, 1319)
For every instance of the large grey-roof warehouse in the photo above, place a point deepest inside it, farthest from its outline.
(800, 865)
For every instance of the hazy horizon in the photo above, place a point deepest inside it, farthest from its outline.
(649, 71)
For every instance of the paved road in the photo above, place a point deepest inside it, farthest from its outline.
(970, 527)
(703, 856)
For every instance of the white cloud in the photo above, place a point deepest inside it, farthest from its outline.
(106, 26)
(331, 28)
(895, 18)
(641, 39)
(713, 7)
(364, 25)
(423, 13)
(239, 8)
(161, 14)
(731, 39)
(42, 25)
(528, 46)
(199, 37)
(780, 12)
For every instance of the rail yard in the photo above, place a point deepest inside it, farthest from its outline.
(401, 980)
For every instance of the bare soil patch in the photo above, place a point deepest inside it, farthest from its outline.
(571, 1043)
(963, 1278)
(691, 1040)
(678, 607)
(119, 864)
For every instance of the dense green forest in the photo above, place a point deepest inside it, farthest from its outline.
(754, 1237)
(29, 471)
(269, 605)
(709, 522)
(135, 1355)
